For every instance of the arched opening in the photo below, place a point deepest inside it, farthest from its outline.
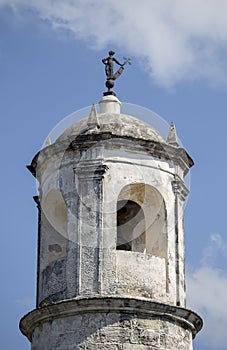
(53, 247)
(141, 220)
(141, 242)
(54, 225)
(130, 226)
(55, 211)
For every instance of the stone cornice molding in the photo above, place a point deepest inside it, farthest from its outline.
(159, 150)
(89, 170)
(68, 308)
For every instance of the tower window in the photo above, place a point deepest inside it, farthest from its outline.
(130, 226)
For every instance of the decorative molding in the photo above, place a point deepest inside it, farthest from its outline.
(87, 171)
(37, 201)
(179, 188)
(112, 304)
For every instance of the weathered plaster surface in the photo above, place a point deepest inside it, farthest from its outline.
(79, 229)
(110, 331)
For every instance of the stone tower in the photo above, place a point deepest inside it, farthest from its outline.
(111, 271)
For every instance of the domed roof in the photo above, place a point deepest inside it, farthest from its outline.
(116, 124)
(113, 122)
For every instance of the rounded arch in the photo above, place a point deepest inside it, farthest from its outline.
(141, 220)
(55, 211)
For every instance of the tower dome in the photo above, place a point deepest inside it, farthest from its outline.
(111, 120)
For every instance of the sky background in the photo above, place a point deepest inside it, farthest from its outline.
(50, 66)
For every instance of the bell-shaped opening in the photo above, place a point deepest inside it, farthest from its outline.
(130, 226)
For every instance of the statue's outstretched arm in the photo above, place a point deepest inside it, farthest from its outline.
(115, 60)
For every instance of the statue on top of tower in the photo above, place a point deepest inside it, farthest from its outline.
(109, 66)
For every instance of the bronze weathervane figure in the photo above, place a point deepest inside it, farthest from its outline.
(110, 75)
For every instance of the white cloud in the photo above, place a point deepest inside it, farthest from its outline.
(178, 39)
(215, 254)
(207, 293)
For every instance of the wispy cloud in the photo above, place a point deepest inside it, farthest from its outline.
(26, 302)
(207, 286)
(176, 40)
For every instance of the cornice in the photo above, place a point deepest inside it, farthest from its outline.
(113, 304)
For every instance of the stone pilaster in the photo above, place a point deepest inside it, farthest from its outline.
(89, 175)
(180, 192)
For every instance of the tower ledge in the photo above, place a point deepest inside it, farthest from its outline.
(113, 311)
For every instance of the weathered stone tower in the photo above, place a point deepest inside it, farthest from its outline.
(111, 271)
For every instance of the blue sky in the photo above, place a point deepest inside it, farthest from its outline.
(50, 66)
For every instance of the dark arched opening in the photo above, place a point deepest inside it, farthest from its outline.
(130, 226)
